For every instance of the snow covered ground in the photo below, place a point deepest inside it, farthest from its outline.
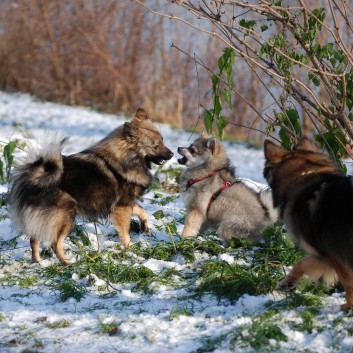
(100, 316)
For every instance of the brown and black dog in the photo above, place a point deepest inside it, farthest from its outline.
(315, 202)
(49, 190)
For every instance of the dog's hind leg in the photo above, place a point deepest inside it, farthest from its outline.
(141, 213)
(193, 223)
(58, 245)
(345, 276)
(312, 266)
(121, 217)
(35, 250)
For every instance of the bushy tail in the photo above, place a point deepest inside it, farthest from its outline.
(41, 167)
(33, 192)
(266, 199)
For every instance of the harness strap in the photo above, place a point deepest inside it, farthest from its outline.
(226, 185)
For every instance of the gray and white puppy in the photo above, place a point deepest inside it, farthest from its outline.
(214, 197)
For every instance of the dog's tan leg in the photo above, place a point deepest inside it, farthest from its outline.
(345, 276)
(312, 266)
(121, 217)
(140, 212)
(193, 223)
(58, 245)
(35, 250)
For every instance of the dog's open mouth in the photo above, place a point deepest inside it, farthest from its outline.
(182, 160)
(155, 160)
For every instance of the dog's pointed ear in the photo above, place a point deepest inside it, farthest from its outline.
(272, 151)
(204, 134)
(304, 144)
(213, 145)
(140, 116)
(130, 131)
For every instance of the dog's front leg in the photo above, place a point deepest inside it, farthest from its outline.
(121, 217)
(140, 212)
(312, 266)
(193, 223)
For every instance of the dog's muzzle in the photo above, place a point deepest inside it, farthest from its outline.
(182, 160)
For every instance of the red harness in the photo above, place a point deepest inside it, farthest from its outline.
(226, 184)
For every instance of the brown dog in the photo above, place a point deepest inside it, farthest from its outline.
(314, 200)
(49, 190)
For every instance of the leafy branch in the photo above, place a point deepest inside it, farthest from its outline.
(303, 51)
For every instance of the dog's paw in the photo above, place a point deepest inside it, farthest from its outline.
(287, 284)
(146, 228)
(346, 307)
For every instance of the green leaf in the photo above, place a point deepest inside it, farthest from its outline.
(291, 120)
(285, 140)
(171, 228)
(208, 120)
(230, 81)
(221, 62)
(314, 79)
(158, 214)
(294, 121)
(2, 179)
(222, 122)
(317, 16)
(215, 80)
(263, 28)
(227, 95)
(230, 54)
(8, 156)
(249, 24)
(217, 105)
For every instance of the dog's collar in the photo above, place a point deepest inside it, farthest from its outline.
(194, 181)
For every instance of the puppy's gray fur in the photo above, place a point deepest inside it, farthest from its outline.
(238, 211)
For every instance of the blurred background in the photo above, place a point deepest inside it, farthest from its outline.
(115, 56)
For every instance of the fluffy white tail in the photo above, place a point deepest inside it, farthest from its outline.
(41, 167)
(266, 199)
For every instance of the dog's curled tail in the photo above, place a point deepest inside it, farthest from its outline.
(267, 201)
(41, 167)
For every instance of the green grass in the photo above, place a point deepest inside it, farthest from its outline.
(184, 247)
(260, 275)
(259, 333)
(110, 329)
(58, 324)
(180, 310)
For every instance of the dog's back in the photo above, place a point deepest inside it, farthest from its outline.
(242, 212)
(314, 200)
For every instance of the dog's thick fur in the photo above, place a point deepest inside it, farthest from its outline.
(238, 211)
(314, 200)
(49, 190)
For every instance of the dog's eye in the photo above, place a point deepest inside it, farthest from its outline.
(193, 150)
(155, 147)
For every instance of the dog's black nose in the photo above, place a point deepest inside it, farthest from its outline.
(171, 154)
(179, 149)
